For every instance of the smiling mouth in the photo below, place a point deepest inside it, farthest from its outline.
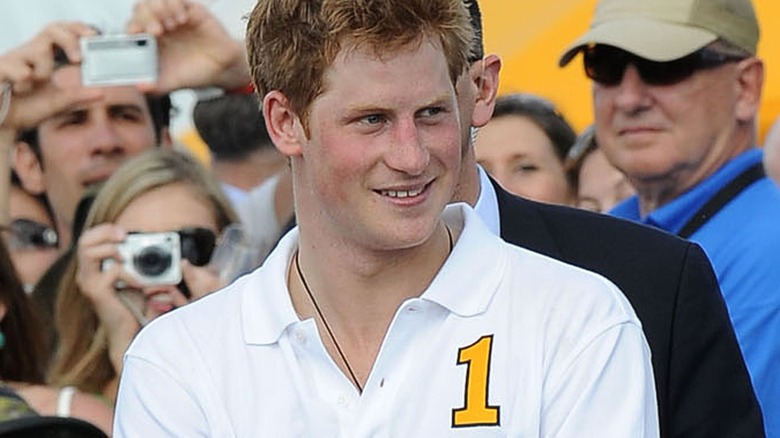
(401, 194)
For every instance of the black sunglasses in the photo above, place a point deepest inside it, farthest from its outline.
(197, 245)
(606, 65)
(29, 234)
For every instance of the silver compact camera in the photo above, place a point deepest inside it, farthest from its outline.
(152, 258)
(111, 60)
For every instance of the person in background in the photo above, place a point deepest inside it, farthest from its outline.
(772, 152)
(366, 299)
(70, 136)
(242, 154)
(524, 146)
(23, 391)
(254, 175)
(100, 308)
(88, 132)
(676, 113)
(268, 212)
(75, 137)
(669, 281)
(600, 186)
(30, 235)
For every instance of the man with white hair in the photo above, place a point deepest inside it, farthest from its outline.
(676, 113)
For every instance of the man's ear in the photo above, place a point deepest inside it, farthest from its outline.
(283, 124)
(484, 74)
(750, 81)
(28, 168)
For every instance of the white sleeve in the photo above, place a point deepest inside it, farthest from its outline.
(153, 402)
(606, 389)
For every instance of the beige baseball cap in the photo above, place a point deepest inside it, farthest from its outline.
(664, 30)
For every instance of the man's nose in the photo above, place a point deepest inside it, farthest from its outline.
(408, 153)
(104, 137)
(632, 90)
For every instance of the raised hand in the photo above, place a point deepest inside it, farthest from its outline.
(97, 285)
(195, 48)
(30, 69)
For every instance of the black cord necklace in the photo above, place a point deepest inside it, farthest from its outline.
(327, 326)
(331, 335)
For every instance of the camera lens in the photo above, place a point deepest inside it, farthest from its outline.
(152, 261)
(140, 43)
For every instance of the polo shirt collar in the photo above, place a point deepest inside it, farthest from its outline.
(266, 308)
(467, 282)
(465, 285)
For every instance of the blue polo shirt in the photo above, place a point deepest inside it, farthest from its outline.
(743, 243)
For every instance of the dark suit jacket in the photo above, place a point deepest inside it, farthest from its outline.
(702, 384)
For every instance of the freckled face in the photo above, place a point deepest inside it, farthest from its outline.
(383, 153)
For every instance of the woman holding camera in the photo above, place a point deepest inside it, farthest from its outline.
(148, 236)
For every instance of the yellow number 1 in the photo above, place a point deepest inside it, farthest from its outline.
(476, 411)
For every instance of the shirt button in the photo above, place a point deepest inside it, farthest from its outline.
(300, 337)
(342, 400)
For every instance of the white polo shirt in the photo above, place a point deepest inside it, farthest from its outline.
(504, 342)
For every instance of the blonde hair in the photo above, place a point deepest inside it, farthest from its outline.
(82, 358)
(290, 43)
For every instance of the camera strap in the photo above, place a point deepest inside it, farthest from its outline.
(721, 198)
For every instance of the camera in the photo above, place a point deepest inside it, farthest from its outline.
(111, 60)
(152, 258)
